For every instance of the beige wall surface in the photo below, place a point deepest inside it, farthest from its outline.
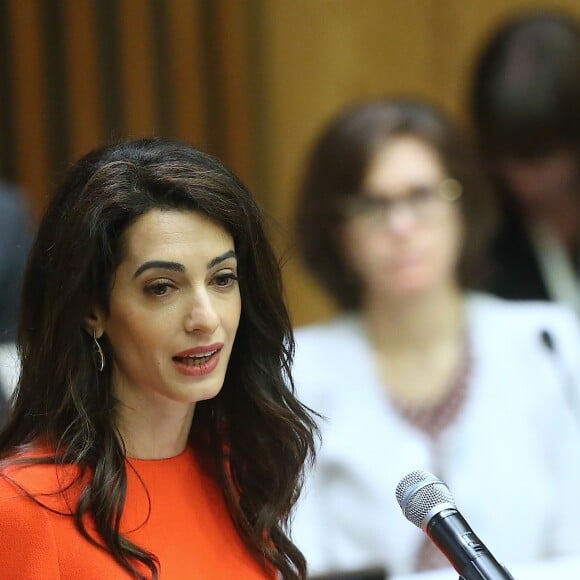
(318, 55)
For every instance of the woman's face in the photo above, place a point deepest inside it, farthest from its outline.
(174, 310)
(403, 236)
(543, 183)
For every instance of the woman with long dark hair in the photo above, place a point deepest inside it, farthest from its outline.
(154, 432)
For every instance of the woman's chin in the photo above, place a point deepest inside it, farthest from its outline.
(411, 287)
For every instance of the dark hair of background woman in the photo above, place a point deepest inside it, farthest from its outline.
(525, 93)
(255, 437)
(337, 166)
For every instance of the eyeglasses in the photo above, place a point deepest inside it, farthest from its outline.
(426, 203)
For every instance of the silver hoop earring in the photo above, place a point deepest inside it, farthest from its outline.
(100, 353)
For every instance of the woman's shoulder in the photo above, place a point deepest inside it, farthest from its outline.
(16, 489)
(32, 475)
(328, 334)
(20, 514)
(29, 544)
(320, 346)
(529, 329)
(326, 356)
(505, 315)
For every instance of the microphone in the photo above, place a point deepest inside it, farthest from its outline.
(568, 386)
(427, 502)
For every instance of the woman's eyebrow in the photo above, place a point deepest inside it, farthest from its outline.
(215, 261)
(159, 264)
(177, 267)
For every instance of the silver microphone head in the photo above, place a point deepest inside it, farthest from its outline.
(421, 495)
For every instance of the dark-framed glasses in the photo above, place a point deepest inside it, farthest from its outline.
(425, 202)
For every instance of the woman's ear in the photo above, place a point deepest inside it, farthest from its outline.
(94, 323)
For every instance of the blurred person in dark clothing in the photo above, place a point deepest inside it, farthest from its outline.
(525, 106)
(15, 240)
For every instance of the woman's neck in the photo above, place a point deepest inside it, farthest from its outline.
(418, 344)
(150, 432)
(414, 322)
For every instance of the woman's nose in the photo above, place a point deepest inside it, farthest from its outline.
(202, 316)
(401, 218)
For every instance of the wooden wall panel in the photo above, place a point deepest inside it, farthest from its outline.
(85, 71)
(138, 81)
(86, 122)
(187, 90)
(29, 99)
(233, 86)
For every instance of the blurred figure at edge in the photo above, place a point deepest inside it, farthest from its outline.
(525, 107)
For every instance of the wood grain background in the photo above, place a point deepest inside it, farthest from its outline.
(251, 81)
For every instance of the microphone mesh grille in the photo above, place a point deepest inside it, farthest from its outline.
(418, 493)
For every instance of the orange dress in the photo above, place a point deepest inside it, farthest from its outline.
(186, 525)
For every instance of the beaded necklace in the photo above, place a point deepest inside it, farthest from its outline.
(433, 420)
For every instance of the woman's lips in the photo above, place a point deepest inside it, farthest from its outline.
(198, 361)
(203, 350)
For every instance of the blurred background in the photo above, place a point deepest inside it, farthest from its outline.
(251, 81)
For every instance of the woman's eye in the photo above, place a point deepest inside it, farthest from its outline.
(159, 288)
(225, 280)
(421, 195)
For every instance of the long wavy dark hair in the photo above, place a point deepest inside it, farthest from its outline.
(255, 436)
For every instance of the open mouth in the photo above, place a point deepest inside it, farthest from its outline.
(195, 360)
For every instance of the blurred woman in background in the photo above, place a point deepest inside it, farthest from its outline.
(418, 371)
(525, 107)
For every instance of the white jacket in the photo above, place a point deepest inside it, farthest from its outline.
(511, 460)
